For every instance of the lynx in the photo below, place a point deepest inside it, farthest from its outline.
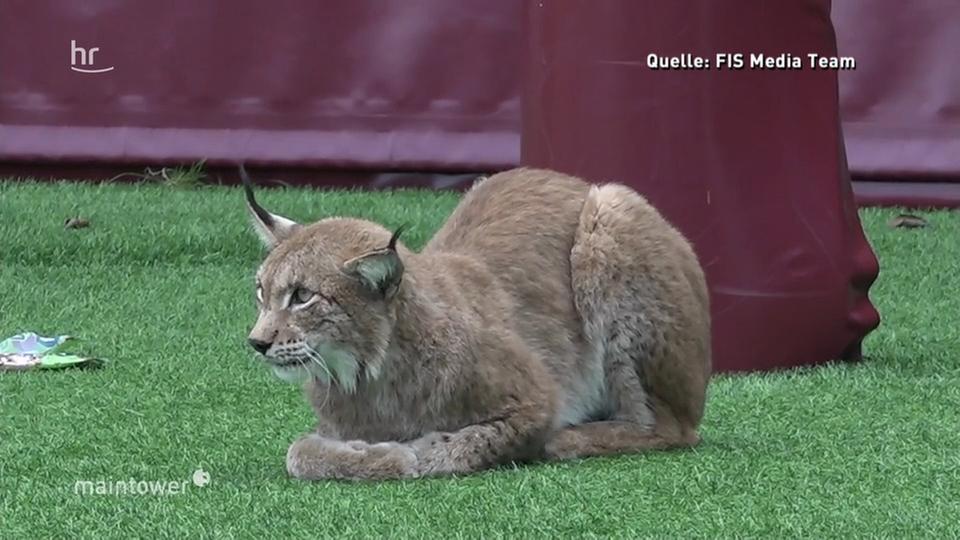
(547, 319)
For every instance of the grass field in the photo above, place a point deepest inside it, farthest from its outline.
(161, 285)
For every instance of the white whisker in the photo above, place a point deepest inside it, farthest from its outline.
(315, 357)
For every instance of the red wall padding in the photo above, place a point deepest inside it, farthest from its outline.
(368, 84)
(421, 84)
(901, 106)
(749, 164)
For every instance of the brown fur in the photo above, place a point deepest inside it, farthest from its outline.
(546, 319)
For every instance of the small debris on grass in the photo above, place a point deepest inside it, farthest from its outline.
(76, 223)
(907, 221)
(29, 350)
(176, 177)
(181, 177)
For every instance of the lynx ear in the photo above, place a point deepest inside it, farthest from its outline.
(380, 271)
(271, 228)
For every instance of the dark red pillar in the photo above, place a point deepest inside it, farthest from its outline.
(749, 163)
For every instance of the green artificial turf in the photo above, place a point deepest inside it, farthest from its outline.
(161, 285)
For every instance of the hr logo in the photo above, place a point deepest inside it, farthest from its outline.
(86, 59)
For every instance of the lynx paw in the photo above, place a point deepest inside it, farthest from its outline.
(314, 457)
(564, 445)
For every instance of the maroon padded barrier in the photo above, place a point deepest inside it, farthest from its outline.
(901, 106)
(341, 84)
(908, 192)
(749, 164)
(336, 92)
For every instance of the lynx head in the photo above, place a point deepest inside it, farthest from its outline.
(325, 295)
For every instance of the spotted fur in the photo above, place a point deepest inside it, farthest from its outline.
(547, 319)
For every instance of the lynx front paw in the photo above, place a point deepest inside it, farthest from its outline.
(312, 457)
(564, 445)
(315, 458)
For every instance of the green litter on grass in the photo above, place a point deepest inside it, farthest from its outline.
(32, 351)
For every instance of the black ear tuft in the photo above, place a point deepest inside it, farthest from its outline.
(265, 217)
(271, 228)
(396, 236)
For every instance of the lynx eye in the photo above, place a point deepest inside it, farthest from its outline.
(300, 297)
(259, 294)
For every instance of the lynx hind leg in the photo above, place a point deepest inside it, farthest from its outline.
(643, 299)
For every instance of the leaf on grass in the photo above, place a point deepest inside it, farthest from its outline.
(907, 221)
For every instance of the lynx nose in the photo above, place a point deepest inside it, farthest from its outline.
(259, 346)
